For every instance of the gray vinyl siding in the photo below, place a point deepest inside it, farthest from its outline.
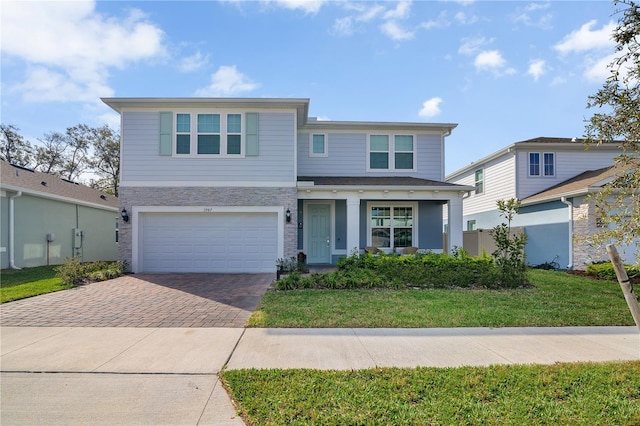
(567, 165)
(347, 156)
(499, 184)
(142, 163)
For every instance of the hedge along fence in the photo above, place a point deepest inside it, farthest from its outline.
(423, 270)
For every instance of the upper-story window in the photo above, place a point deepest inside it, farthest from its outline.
(318, 145)
(479, 181)
(391, 153)
(209, 134)
(542, 164)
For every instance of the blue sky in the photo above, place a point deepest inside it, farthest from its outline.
(505, 71)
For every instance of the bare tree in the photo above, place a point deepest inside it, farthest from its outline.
(50, 154)
(105, 162)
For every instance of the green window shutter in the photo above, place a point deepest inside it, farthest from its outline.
(166, 132)
(251, 134)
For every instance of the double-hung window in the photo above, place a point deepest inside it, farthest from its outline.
(392, 226)
(207, 133)
(479, 181)
(391, 153)
(542, 164)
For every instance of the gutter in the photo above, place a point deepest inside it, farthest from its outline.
(570, 205)
(12, 260)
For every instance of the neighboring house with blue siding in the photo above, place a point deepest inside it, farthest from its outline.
(233, 184)
(45, 219)
(527, 170)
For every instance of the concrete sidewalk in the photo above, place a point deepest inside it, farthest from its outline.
(73, 375)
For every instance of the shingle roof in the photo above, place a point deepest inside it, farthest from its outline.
(50, 186)
(579, 184)
(375, 181)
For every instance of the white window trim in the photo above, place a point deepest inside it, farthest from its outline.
(326, 145)
(392, 152)
(475, 181)
(541, 164)
(414, 230)
(193, 148)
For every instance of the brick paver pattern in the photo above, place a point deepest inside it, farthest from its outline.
(145, 300)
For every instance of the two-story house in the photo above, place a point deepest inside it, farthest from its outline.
(232, 185)
(552, 177)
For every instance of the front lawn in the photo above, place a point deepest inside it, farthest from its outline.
(556, 299)
(18, 284)
(561, 394)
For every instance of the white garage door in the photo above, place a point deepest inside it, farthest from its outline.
(211, 242)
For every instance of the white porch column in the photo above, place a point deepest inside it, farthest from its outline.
(454, 236)
(353, 224)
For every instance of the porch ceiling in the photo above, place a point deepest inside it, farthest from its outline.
(377, 182)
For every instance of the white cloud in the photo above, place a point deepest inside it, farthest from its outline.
(537, 68)
(401, 11)
(430, 108)
(395, 31)
(471, 46)
(307, 6)
(492, 61)
(595, 47)
(193, 62)
(342, 27)
(465, 19)
(441, 22)
(526, 16)
(598, 70)
(227, 81)
(585, 38)
(489, 59)
(73, 47)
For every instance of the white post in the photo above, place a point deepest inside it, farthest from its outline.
(454, 236)
(353, 224)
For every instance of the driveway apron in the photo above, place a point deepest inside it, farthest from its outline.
(145, 300)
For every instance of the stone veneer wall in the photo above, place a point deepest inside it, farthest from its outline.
(584, 225)
(207, 196)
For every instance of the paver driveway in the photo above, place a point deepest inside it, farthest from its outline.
(145, 300)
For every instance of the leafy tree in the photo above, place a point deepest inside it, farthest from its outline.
(105, 162)
(13, 148)
(617, 120)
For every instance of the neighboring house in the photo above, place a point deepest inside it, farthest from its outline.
(232, 185)
(45, 219)
(551, 176)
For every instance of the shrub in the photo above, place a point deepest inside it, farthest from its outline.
(605, 271)
(509, 254)
(74, 272)
(423, 270)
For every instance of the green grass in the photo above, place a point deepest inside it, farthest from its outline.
(27, 282)
(566, 394)
(557, 299)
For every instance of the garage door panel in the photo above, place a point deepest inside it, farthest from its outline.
(196, 242)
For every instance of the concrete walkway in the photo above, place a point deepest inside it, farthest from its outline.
(76, 375)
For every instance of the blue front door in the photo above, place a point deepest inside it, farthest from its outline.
(319, 233)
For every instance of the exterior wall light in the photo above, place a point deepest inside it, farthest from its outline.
(124, 214)
(287, 216)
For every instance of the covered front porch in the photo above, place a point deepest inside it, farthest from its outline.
(338, 216)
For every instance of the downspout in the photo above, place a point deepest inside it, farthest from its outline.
(12, 258)
(570, 204)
